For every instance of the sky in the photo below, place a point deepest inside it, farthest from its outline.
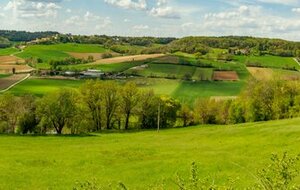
(161, 18)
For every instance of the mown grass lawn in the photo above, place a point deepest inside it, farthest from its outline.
(139, 159)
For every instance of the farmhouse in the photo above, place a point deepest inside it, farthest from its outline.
(91, 73)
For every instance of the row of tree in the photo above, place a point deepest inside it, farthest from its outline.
(260, 101)
(99, 105)
(95, 106)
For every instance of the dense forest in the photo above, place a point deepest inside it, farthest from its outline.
(24, 36)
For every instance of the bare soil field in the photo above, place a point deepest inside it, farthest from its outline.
(7, 60)
(261, 73)
(8, 81)
(4, 69)
(225, 76)
(126, 59)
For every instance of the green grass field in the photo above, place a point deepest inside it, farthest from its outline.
(8, 51)
(189, 91)
(40, 87)
(145, 158)
(115, 67)
(269, 61)
(181, 90)
(166, 70)
(4, 75)
(58, 51)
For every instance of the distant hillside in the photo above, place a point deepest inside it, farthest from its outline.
(237, 43)
(4, 42)
(23, 36)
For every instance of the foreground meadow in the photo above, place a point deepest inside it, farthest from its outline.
(139, 159)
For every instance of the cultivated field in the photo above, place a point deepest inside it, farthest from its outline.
(7, 81)
(225, 76)
(18, 68)
(59, 51)
(268, 74)
(8, 60)
(121, 59)
(270, 61)
(146, 158)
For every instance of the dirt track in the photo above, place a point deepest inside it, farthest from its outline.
(126, 59)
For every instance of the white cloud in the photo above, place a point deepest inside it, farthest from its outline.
(128, 4)
(89, 20)
(164, 12)
(33, 8)
(140, 27)
(296, 10)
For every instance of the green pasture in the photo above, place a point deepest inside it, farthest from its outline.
(269, 61)
(40, 87)
(141, 159)
(58, 51)
(181, 90)
(8, 51)
(114, 67)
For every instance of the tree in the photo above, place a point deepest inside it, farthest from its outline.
(11, 108)
(92, 97)
(147, 109)
(58, 108)
(186, 115)
(110, 101)
(129, 100)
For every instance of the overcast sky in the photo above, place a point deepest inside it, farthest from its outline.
(173, 18)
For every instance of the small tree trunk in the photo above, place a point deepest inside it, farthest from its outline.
(127, 121)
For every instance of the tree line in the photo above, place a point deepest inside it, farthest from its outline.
(99, 105)
(96, 106)
(24, 36)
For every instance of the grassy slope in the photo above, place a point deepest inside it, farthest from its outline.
(269, 61)
(8, 51)
(58, 51)
(115, 67)
(184, 91)
(40, 87)
(140, 159)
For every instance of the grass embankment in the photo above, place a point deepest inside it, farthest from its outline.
(144, 158)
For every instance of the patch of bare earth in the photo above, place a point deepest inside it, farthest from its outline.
(8, 81)
(223, 98)
(126, 59)
(8, 60)
(225, 76)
